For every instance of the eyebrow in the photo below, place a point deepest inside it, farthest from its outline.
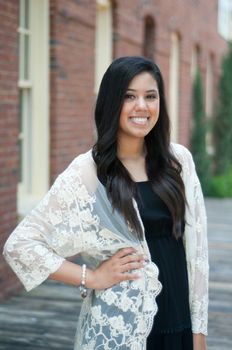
(152, 90)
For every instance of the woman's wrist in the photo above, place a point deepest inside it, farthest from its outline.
(199, 341)
(90, 280)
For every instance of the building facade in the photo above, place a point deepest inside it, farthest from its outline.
(52, 57)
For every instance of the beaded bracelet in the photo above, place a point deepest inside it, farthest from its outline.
(83, 289)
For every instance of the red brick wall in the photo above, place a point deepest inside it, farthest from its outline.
(72, 65)
(196, 23)
(72, 80)
(8, 133)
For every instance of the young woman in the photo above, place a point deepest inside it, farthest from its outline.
(132, 207)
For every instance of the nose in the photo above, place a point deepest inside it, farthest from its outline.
(141, 104)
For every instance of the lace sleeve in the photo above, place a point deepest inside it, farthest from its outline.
(199, 307)
(196, 245)
(195, 239)
(38, 245)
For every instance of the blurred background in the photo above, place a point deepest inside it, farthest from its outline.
(52, 58)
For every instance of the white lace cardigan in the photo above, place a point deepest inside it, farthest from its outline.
(75, 217)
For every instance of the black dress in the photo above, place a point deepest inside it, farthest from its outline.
(172, 325)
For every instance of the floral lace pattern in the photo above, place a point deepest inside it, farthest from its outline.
(75, 217)
(196, 245)
(120, 317)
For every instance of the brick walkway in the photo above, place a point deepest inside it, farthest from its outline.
(46, 317)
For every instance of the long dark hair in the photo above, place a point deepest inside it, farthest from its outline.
(162, 167)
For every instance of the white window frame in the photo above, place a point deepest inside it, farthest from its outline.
(34, 104)
(225, 19)
(209, 100)
(103, 40)
(195, 61)
(174, 85)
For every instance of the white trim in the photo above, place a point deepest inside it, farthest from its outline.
(209, 101)
(25, 201)
(103, 41)
(209, 87)
(40, 100)
(35, 131)
(103, 4)
(25, 84)
(225, 19)
(24, 31)
(174, 88)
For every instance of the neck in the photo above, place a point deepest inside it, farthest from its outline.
(130, 148)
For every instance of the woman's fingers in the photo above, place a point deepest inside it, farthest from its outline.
(132, 258)
(124, 252)
(127, 255)
(132, 266)
(118, 268)
(130, 276)
(124, 261)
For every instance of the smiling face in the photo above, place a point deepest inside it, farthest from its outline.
(140, 110)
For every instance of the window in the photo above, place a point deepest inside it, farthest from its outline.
(225, 19)
(25, 86)
(209, 99)
(174, 85)
(34, 104)
(149, 38)
(104, 40)
(209, 86)
(195, 61)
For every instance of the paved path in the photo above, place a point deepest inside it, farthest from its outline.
(46, 317)
(220, 255)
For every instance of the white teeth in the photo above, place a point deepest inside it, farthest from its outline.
(140, 120)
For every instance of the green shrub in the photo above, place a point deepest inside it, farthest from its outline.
(220, 186)
(198, 137)
(222, 121)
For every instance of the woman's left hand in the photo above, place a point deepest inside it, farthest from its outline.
(199, 342)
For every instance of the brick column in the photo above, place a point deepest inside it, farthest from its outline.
(72, 80)
(9, 156)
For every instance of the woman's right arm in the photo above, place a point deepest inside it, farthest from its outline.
(112, 271)
(44, 238)
(37, 248)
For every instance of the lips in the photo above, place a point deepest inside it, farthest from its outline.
(139, 120)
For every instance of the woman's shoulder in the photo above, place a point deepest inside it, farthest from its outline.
(179, 149)
(83, 158)
(181, 152)
(81, 169)
(185, 158)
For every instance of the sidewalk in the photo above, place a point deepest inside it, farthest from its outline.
(220, 256)
(46, 317)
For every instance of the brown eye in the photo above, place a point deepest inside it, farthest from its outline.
(129, 97)
(151, 97)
